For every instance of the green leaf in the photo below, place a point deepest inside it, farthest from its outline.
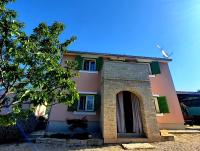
(31, 64)
(99, 63)
(79, 61)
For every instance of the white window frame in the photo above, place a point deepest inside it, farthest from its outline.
(86, 110)
(84, 113)
(150, 73)
(157, 105)
(86, 71)
(89, 64)
(87, 92)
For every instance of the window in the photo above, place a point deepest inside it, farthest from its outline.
(81, 104)
(89, 65)
(155, 68)
(156, 105)
(161, 104)
(86, 103)
(90, 103)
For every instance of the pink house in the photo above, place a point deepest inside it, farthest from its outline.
(124, 98)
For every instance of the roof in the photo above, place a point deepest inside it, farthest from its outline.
(120, 55)
(188, 92)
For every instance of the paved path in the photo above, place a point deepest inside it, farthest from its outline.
(183, 142)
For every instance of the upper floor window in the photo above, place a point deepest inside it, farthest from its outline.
(86, 103)
(89, 65)
(155, 68)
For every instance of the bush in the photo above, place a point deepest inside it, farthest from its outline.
(77, 123)
(81, 136)
(17, 132)
(41, 124)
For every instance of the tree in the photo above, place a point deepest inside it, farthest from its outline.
(30, 66)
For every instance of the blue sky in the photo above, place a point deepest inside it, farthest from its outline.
(127, 27)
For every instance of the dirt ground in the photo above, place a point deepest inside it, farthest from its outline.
(184, 142)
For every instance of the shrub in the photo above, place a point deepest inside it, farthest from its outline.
(41, 124)
(77, 123)
(17, 132)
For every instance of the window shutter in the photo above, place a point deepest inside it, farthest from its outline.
(73, 107)
(163, 105)
(79, 61)
(155, 68)
(97, 102)
(99, 63)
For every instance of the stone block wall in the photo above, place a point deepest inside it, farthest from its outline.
(125, 71)
(133, 77)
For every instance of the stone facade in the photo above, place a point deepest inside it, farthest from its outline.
(124, 76)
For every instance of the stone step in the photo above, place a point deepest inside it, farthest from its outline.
(196, 129)
(184, 131)
(70, 142)
(165, 136)
(132, 140)
(133, 146)
(37, 134)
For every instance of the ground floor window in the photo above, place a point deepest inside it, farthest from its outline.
(161, 104)
(156, 105)
(86, 103)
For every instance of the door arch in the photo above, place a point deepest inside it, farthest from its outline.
(128, 110)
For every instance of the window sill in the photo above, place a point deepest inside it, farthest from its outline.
(85, 71)
(152, 76)
(84, 113)
(87, 92)
(159, 114)
(156, 95)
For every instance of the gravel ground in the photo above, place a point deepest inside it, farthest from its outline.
(184, 142)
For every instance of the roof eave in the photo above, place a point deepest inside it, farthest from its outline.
(118, 55)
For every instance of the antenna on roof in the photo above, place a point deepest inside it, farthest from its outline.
(164, 52)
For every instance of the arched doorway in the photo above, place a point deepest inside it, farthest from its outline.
(129, 118)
